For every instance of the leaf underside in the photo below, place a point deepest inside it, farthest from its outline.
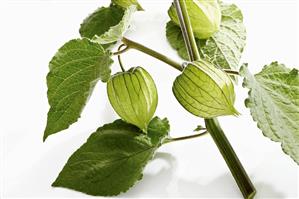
(111, 161)
(274, 104)
(224, 48)
(115, 33)
(74, 71)
(100, 21)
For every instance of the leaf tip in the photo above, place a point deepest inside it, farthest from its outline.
(45, 136)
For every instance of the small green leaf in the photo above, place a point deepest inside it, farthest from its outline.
(205, 91)
(274, 104)
(74, 71)
(116, 32)
(199, 128)
(158, 130)
(100, 21)
(224, 48)
(127, 3)
(110, 162)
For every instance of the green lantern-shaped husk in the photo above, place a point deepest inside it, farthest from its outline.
(134, 97)
(127, 3)
(205, 17)
(205, 91)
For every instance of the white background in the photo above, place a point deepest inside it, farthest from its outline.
(32, 31)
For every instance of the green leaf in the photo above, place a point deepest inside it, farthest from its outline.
(127, 3)
(205, 91)
(274, 104)
(158, 130)
(199, 128)
(74, 71)
(100, 21)
(116, 32)
(224, 48)
(110, 162)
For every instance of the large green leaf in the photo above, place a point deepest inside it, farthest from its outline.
(74, 71)
(224, 48)
(116, 32)
(274, 104)
(100, 21)
(127, 3)
(110, 162)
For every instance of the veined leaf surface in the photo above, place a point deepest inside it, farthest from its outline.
(74, 71)
(274, 104)
(224, 48)
(112, 159)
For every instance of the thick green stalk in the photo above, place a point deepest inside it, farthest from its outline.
(225, 148)
(157, 55)
(186, 28)
(244, 183)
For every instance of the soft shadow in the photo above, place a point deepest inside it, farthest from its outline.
(155, 185)
(165, 183)
(267, 191)
(227, 188)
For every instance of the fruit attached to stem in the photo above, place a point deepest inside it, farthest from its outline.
(205, 91)
(134, 97)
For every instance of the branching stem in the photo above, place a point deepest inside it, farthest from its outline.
(131, 44)
(169, 140)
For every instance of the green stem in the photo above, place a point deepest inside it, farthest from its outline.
(119, 52)
(231, 72)
(187, 29)
(231, 159)
(168, 140)
(119, 58)
(146, 50)
(225, 148)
